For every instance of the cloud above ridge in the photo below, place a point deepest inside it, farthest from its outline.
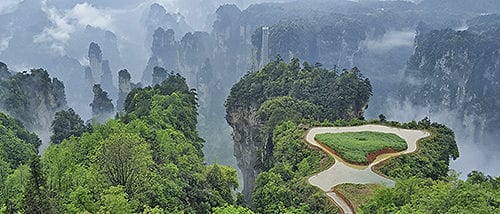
(66, 22)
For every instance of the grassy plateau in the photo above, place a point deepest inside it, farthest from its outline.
(356, 146)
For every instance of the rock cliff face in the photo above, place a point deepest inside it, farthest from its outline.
(185, 56)
(32, 97)
(4, 71)
(459, 72)
(124, 87)
(164, 53)
(255, 107)
(248, 146)
(99, 71)
(332, 40)
(107, 77)
(102, 107)
(159, 17)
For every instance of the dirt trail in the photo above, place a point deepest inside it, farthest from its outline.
(342, 172)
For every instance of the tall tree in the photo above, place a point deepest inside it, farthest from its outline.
(66, 124)
(115, 200)
(35, 198)
(125, 159)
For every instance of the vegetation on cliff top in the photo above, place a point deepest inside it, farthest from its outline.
(283, 92)
(355, 146)
(337, 95)
(22, 94)
(432, 159)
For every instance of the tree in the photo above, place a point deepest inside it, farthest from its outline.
(231, 209)
(81, 201)
(115, 200)
(125, 160)
(35, 198)
(281, 109)
(222, 180)
(382, 118)
(15, 188)
(66, 124)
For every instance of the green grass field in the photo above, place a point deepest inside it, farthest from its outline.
(355, 146)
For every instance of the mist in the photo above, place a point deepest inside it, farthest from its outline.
(475, 154)
(55, 35)
(391, 40)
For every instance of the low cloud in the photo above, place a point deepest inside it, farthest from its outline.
(85, 14)
(4, 43)
(473, 155)
(8, 5)
(66, 22)
(390, 40)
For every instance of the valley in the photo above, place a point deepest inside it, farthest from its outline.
(249, 106)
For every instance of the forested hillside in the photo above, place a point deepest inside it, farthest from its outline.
(249, 106)
(281, 92)
(148, 160)
(477, 194)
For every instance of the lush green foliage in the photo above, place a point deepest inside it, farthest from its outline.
(284, 187)
(479, 194)
(144, 161)
(66, 124)
(231, 209)
(12, 129)
(355, 146)
(433, 157)
(169, 105)
(343, 95)
(281, 109)
(17, 151)
(430, 161)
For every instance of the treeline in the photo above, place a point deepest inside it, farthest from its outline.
(478, 194)
(329, 94)
(147, 160)
(432, 159)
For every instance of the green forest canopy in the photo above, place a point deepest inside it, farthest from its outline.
(335, 95)
(148, 160)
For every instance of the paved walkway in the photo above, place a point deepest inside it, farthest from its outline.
(342, 172)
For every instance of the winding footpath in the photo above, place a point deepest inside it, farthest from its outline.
(342, 172)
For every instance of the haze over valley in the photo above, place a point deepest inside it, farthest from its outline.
(209, 100)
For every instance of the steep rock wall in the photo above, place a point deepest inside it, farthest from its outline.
(247, 144)
(457, 72)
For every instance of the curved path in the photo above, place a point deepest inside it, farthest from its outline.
(342, 172)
